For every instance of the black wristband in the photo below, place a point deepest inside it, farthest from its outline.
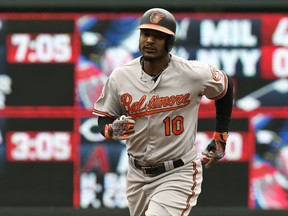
(102, 122)
(222, 124)
(224, 107)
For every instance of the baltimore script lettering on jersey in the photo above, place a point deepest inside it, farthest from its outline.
(156, 104)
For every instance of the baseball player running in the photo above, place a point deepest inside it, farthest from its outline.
(152, 102)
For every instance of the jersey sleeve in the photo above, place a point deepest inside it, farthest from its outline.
(216, 83)
(108, 103)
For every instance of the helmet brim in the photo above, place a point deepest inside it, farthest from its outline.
(157, 28)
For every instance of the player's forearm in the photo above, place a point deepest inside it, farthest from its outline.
(224, 107)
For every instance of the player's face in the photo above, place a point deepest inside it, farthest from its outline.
(152, 44)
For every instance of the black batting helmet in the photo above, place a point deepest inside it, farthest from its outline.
(160, 20)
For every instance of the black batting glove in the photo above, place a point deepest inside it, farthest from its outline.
(216, 148)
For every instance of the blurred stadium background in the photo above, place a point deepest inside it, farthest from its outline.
(55, 57)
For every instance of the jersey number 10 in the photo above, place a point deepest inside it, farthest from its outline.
(175, 125)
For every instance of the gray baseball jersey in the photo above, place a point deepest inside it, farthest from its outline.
(165, 111)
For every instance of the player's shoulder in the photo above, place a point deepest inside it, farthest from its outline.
(127, 67)
(132, 63)
(189, 63)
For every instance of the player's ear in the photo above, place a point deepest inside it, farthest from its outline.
(170, 42)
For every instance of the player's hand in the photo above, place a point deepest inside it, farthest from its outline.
(215, 149)
(122, 128)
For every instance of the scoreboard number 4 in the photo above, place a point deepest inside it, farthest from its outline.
(280, 36)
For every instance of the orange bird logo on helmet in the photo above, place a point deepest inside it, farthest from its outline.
(156, 17)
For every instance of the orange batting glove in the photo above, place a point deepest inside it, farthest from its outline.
(216, 148)
(122, 128)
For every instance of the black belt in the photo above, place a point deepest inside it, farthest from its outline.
(156, 169)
